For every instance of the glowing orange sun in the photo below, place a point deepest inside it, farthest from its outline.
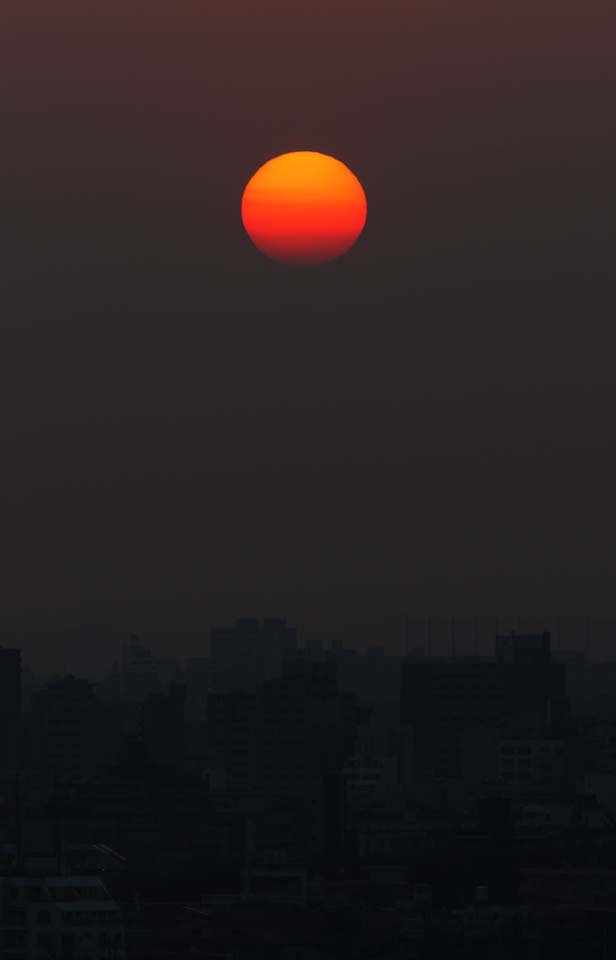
(304, 208)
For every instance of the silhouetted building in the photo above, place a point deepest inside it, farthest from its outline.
(57, 916)
(198, 679)
(230, 739)
(531, 649)
(249, 653)
(538, 761)
(162, 726)
(72, 731)
(521, 690)
(10, 705)
(143, 673)
(311, 678)
(284, 744)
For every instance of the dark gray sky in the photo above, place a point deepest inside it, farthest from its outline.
(191, 432)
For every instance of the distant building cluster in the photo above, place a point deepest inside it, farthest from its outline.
(268, 773)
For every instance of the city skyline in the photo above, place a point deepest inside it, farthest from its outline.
(164, 811)
(92, 650)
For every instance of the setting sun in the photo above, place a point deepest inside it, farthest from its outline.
(304, 208)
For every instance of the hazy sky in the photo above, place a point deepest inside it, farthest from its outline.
(191, 432)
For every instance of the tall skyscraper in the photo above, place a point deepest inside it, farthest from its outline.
(248, 653)
(10, 705)
(520, 690)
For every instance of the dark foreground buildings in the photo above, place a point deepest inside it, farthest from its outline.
(459, 713)
(271, 800)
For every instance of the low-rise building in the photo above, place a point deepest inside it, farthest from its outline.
(73, 918)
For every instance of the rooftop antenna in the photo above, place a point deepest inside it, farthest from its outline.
(406, 634)
(587, 640)
(453, 638)
(429, 635)
(476, 627)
